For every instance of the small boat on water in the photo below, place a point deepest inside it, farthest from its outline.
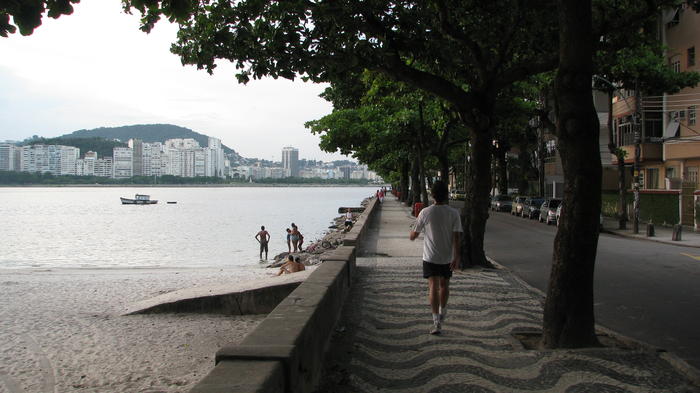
(140, 199)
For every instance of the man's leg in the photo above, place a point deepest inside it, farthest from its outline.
(434, 297)
(444, 295)
(433, 293)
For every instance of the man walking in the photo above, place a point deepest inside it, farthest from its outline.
(441, 226)
(263, 237)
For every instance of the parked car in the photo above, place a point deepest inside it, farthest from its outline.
(548, 211)
(501, 203)
(458, 195)
(558, 214)
(531, 208)
(517, 207)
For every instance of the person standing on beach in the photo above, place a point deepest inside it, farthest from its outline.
(294, 237)
(441, 226)
(289, 240)
(263, 237)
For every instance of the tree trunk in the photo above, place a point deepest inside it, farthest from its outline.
(502, 168)
(421, 156)
(444, 167)
(622, 197)
(415, 182)
(477, 200)
(405, 167)
(569, 320)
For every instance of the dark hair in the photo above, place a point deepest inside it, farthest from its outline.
(439, 191)
(262, 227)
(289, 230)
(291, 257)
(297, 259)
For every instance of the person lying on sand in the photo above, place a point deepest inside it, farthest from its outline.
(291, 266)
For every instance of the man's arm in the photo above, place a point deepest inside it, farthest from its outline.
(455, 250)
(413, 235)
(267, 237)
(257, 235)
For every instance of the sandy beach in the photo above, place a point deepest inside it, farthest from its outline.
(62, 330)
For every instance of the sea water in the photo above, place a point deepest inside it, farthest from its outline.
(88, 227)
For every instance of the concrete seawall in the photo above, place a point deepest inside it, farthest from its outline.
(254, 297)
(285, 352)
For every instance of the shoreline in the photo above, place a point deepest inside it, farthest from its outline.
(243, 185)
(63, 328)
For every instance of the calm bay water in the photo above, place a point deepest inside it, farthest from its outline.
(208, 227)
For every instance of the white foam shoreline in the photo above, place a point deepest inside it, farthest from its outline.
(62, 329)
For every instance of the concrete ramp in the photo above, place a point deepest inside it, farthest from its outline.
(251, 297)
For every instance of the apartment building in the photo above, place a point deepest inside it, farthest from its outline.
(54, 159)
(10, 157)
(681, 145)
(122, 162)
(290, 161)
(670, 136)
(91, 165)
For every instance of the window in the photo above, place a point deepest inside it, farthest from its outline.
(691, 174)
(625, 130)
(652, 179)
(671, 172)
(676, 66)
(691, 56)
(692, 116)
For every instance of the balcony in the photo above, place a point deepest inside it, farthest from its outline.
(681, 149)
(650, 151)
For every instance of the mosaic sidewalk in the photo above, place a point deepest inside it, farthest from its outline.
(382, 343)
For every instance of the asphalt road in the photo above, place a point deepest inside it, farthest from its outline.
(645, 290)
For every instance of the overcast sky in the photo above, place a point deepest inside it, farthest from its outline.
(95, 68)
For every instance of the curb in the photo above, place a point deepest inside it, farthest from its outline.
(676, 363)
(669, 242)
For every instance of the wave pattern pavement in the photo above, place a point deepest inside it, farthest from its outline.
(382, 342)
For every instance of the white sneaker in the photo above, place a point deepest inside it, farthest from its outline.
(436, 328)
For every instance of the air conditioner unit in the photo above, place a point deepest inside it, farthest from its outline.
(681, 114)
(673, 115)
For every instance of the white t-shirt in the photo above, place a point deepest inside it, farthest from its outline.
(438, 224)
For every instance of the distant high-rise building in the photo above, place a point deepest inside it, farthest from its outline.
(9, 157)
(54, 159)
(215, 158)
(136, 146)
(290, 161)
(122, 164)
(346, 171)
(187, 143)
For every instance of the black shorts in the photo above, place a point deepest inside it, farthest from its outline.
(436, 269)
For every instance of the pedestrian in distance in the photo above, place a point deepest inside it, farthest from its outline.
(289, 240)
(263, 237)
(348, 220)
(294, 237)
(441, 227)
(301, 239)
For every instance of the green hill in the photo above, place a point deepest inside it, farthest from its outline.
(147, 133)
(103, 147)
